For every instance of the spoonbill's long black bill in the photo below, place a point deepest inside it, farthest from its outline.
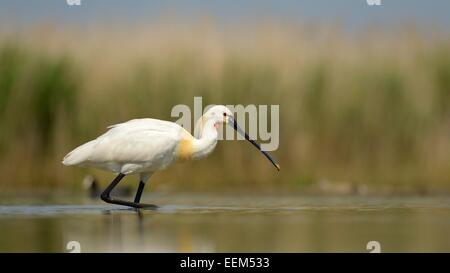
(232, 122)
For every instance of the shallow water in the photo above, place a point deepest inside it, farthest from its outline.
(202, 223)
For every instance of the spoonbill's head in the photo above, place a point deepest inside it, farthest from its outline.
(221, 114)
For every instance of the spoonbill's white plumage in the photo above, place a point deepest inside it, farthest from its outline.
(143, 146)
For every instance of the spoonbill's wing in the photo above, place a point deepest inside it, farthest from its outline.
(148, 142)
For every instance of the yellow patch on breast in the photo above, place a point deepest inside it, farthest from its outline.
(185, 150)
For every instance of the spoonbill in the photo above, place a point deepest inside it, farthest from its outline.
(144, 146)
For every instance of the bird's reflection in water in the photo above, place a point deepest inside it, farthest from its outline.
(140, 225)
(128, 229)
(116, 228)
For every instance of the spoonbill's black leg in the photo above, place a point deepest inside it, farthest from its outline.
(137, 198)
(106, 196)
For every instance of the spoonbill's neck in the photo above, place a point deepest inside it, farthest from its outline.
(206, 141)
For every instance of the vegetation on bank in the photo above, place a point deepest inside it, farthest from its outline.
(359, 109)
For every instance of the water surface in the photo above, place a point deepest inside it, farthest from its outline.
(204, 223)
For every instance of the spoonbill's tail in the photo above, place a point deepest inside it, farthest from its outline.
(79, 154)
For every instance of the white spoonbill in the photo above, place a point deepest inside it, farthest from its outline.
(144, 146)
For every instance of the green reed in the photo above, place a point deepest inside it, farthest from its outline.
(352, 110)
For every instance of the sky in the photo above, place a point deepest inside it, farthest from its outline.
(350, 13)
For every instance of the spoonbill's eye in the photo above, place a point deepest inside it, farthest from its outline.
(224, 114)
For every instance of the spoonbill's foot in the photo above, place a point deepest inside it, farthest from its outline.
(146, 206)
(108, 199)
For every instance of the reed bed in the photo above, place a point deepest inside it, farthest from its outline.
(369, 108)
